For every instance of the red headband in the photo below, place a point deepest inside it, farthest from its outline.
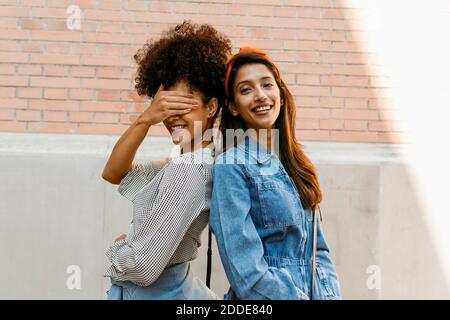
(230, 62)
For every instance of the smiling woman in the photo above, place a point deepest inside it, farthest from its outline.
(182, 73)
(263, 210)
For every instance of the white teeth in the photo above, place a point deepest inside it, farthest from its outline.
(178, 127)
(263, 108)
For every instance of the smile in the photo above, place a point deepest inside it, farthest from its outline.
(262, 108)
(177, 127)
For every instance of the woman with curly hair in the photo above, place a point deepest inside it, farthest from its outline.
(183, 74)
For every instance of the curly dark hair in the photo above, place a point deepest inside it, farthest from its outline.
(190, 52)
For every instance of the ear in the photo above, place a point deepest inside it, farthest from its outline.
(233, 108)
(212, 106)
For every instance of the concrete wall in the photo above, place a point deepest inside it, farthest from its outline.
(57, 212)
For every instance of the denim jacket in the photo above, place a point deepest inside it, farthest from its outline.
(263, 232)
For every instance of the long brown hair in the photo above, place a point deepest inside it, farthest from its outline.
(298, 166)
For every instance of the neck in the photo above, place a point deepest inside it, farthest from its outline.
(263, 137)
(194, 147)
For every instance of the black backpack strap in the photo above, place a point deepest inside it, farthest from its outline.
(208, 263)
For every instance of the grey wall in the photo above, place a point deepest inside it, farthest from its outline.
(56, 212)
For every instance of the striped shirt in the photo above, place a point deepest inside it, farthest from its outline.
(170, 210)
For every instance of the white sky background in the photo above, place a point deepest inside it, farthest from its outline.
(411, 41)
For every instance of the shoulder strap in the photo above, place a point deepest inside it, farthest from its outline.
(208, 263)
(313, 255)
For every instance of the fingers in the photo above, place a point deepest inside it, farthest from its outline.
(178, 105)
(174, 112)
(177, 93)
(180, 99)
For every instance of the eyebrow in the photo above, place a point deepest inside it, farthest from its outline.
(260, 79)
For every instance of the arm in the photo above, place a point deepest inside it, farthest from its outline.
(165, 104)
(142, 258)
(240, 247)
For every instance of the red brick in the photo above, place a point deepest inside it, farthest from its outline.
(331, 124)
(355, 125)
(379, 103)
(313, 113)
(11, 103)
(344, 81)
(7, 69)
(58, 48)
(15, 11)
(32, 47)
(353, 136)
(54, 82)
(312, 135)
(356, 103)
(233, 9)
(83, 48)
(14, 57)
(353, 92)
(354, 114)
(16, 81)
(135, 6)
(131, 96)
(8, 45)
(160, 6)
(285, 12)
(6, 114)
(53, 105)
(70, 36)
(32, 24)
(33, 3)
(308, 124)
(186, 7)
(108, 95)
(381, 126)
(57, 94)
(83, 72)
(59, 25)
(260, 32)
(106, 84)
(56, 71)
(55, 116)
(81, 117)
(110, 72)
(393, 137)
(59, 3)
(81, 94)
(331, 102)
(264, 11)
(107, 38)
(110, 5)
(28, 115)
(110, 27)
(12, 126)
(29, 92)
(309, 57)
(284, 34)
(106, 117)
(109, 129)
(50, 127)
(103, 106)
(7, 92)
(110, 50)
(308, 79)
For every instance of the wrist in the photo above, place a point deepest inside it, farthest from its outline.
(142, 121)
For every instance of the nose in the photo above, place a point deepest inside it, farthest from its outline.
(260, 95)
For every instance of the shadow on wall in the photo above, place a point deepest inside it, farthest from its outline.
(386, 230)
(378, 235)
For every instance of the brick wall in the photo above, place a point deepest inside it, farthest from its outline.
(57, 78)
